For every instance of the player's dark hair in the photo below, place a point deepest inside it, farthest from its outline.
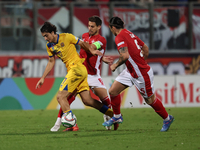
(96, 19)
(48, 27)
(116, 22)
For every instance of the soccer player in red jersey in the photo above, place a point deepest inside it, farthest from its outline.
(92, 63)
(133, 52)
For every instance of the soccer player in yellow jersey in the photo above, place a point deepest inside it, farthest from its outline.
(63, 45)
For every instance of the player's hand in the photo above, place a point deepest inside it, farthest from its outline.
(113, 67)
(96, 52)
(108, 60)
(39, 83)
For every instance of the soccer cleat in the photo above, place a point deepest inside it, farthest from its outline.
(75, 128)
(55, 128)
(106, 118)
(116, 125)
(112, 121)
(166, 124)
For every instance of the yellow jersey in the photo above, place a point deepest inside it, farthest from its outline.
(65, 49)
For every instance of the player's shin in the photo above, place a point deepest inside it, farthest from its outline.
(159, 108)
(106, 101)
(116, 103)
(70, 99)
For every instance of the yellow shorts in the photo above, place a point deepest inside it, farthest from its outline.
(76, 78)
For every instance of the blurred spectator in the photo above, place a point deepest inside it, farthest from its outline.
(82, 3)
(11, 0)
(188, 70)
(140, 3)
(133, 3)
(62, 2)
(27, 3)
(101, 1)
(48, 3)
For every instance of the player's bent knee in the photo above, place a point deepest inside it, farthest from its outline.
(86, 102)
(113, 93)
(150, 100)
(62, 96)
(58, 98)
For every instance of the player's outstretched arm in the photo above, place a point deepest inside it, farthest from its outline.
(89, 48)
(145, 51)
(48, 68)
(124, 55)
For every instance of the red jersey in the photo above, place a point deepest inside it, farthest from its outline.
(92, 63)
(136, 63)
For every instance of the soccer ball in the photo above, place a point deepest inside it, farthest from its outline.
(68, 120)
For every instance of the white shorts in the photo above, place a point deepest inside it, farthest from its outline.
(95, 81)
(143, 84)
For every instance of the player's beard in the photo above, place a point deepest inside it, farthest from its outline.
(93, 33)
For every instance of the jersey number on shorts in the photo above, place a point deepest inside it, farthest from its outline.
(142, 90)
(100, 80)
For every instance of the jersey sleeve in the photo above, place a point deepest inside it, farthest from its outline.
(120, 42)
(50, 53)
(73, 39)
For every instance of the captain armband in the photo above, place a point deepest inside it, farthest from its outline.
(98, 46)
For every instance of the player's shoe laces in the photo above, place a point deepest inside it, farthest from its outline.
(112, 121)
(107, 118)
(75, 128)
(55, 128)
(166, 124)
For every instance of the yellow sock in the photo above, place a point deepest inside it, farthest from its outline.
(109, 112)
(66, 111)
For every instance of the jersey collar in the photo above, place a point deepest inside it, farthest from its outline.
(57, 39)
(93, 35)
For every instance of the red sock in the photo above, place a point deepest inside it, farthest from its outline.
(70, 99)
(159, 108)
(106, 101)
(116, 103)
(60, 113)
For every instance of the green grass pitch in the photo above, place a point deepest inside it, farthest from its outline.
(30, 130)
